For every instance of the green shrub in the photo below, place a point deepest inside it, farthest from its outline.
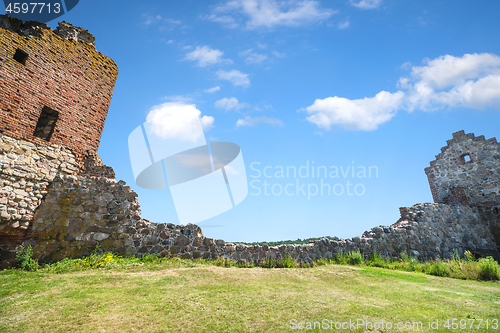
(24, 259)
(268, 263)
(355, 258)
(224, 262)
(438, 268)
(305, 264)
(404, 257)
(286, 262)
(98, 260)
(488, 269)
(244, 264)
(470, 257)
(321, 262)
(150, 258)
(64, 266)
(340, 257)
(377, 261)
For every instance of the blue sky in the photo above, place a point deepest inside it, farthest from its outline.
(377, 83)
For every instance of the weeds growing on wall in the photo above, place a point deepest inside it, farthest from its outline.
(462, 268)
(24, 259)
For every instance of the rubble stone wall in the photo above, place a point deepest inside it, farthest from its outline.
(425, 231)
(26, 171)
(63, 212)
(467, 171)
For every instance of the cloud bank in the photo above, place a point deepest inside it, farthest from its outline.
(471, 81)
(269, 13)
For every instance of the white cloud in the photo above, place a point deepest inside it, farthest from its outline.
(359, 114)
(175, 120)
(471, 81)
(252, 57)
(249, 121)
(205, 55)
(150, 19)
(172, 21)
(212, 90)
(344, 24)
(278, 55)
(225, 20)
(229, 104)
(207, 122)
(234, 76)
(366, 4)
(270, 13)
(165, 24)
(261, 46)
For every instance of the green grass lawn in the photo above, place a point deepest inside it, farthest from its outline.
(182, 296)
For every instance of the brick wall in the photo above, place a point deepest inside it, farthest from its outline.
(46, 74)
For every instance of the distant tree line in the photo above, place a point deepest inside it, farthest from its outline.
(297, 241)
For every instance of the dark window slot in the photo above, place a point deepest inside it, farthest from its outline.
(46, 124)
(21, 56)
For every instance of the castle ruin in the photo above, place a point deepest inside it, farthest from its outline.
(58, 197)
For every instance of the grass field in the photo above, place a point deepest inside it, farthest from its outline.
(184, 296)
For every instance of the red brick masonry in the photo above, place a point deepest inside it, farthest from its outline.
(60, 70)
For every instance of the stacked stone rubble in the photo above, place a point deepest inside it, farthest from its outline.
(63, 212)
(25, 172)
(467, 172)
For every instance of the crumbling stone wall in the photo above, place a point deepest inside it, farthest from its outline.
(61, 213)
(26, 171)
(59, 72)
(425, 231)
(467, 172)
(80, 211)
(47, 202)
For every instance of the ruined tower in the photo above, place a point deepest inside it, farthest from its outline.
(467, 172)
(55, 88)
(55, 91)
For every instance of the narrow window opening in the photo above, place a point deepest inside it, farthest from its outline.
(46, 124)
(465, 158)
(21, 56)
(496, 210)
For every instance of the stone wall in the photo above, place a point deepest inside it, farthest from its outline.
(80, 211)
(467, 171)
(425, 231)
(63, 212)
(26, 171)
(58, 72)
(77, 212)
